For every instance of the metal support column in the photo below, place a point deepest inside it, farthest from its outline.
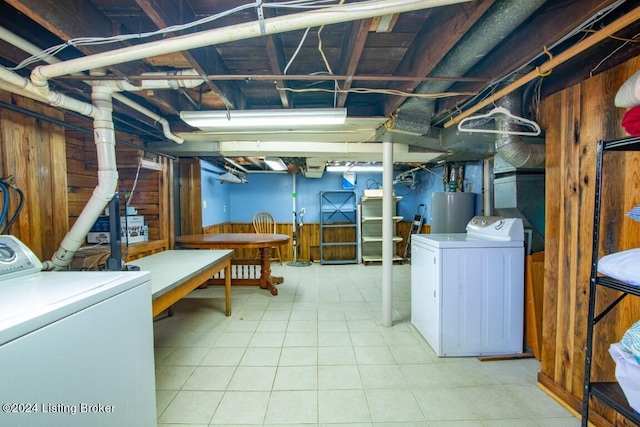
(387, 233)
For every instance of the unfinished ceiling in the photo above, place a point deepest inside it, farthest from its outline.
(401, 76)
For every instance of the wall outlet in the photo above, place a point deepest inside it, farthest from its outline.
(224, 208)
(204, 204)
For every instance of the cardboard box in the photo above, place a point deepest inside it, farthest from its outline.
(99, 233)
(131, 230)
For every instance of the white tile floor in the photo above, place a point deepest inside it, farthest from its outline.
(316, 354)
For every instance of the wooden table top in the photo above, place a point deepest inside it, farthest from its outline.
(232, 240)
(163, 267)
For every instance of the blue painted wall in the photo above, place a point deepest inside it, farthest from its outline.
(215, 195)
(273, 192)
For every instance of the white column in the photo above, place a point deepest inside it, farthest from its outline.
(387, 233)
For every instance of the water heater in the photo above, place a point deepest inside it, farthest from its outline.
(451, 212)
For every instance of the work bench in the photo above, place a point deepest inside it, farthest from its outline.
(175, 273)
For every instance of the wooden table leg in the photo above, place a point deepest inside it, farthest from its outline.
(227, 288)
(265, 271)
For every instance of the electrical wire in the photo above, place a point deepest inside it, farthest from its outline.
(372, 184)
(304, 36)
(336, 85)
(18, 209)
(626, 42)
(91, 41)
(381, 91)
(5, 202)
(135, 182)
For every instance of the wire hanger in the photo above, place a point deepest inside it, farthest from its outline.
(480, 119)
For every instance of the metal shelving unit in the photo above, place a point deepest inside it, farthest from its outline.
(338, 212)
(608, 393)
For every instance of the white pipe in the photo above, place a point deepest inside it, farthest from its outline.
(163, 122)
(387, 233)
(168, 83)
(293, 210)
(326, 16)
(32, 49)
(26, 88)
(19, 91)
(24, 45)
(107, 179)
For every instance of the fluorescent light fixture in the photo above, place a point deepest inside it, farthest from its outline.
(243, 119)
(356, 168)
(275, 163)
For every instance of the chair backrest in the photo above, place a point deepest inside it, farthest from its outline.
(263, 222)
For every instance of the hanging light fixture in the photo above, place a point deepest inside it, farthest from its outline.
(252, 119)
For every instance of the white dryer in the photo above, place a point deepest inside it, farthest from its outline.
(467, 289)
(76, 348)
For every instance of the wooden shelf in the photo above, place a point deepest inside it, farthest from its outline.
(611, 394)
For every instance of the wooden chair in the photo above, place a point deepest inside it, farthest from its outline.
(263, 222)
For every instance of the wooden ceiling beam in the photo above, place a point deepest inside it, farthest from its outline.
(277, 60)
(88, 21)
(165, 13)
(352, 47)
(442, 29)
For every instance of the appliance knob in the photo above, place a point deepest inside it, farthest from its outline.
(7, 254)
(499, 224)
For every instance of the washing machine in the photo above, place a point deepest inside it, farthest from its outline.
(76, 348)
(467, 289)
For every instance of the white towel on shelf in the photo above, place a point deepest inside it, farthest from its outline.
(628, 95)
(627, 374)
(634, 213)
(624, 265)
(630, 341)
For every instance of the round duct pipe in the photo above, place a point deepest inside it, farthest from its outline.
(415, 114)
(512, 148)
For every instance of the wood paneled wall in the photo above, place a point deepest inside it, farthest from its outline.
(152, 194)
(33, 152)
(575, 119)
(190, 197)
(308, 240)
(55, 168)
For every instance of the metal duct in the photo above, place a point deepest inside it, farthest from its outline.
(512, 148)
(502, 18)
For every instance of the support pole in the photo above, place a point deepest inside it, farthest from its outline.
(296, 231)
(387, 233)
